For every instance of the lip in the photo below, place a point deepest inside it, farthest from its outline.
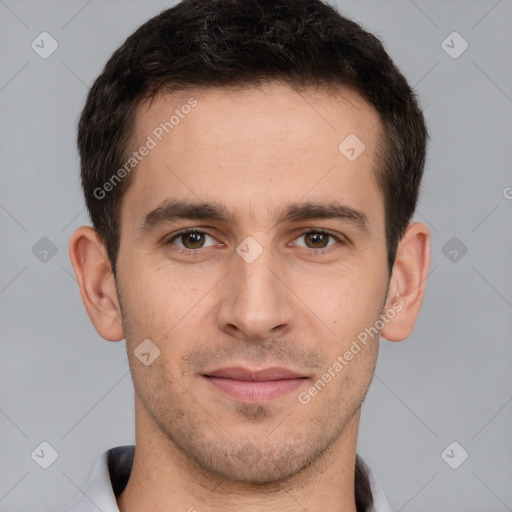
(266, 374)
(255, 386)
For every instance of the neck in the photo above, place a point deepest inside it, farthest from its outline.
(163, 478)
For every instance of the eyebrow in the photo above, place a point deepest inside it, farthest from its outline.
(173, 209)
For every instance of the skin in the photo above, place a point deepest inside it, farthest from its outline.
(254, 151)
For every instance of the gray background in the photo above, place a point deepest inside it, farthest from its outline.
(60, 382)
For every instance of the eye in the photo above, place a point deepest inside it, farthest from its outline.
(190, 239)
(318, 239)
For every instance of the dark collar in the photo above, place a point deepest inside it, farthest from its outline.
(120, 462)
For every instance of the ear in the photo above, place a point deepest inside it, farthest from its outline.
(96, 282)
(408, 280)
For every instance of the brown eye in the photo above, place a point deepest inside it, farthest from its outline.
(318, 240)
(195, 240)
(190, 239)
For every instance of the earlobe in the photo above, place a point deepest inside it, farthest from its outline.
(93, 273)
(408, 281)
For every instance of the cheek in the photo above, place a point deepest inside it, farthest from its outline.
(347, 301)
(151, 298)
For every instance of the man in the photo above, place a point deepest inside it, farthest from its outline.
(251, 168)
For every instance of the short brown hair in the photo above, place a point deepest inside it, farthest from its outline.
(237, 43)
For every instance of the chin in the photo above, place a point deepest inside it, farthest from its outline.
(256, 466)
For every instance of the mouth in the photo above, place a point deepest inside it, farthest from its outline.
(254, 386)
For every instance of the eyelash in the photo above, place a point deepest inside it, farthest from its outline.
(197, 252)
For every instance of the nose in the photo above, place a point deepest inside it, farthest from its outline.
(256, 302)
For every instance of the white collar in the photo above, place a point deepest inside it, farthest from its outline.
(98, 493)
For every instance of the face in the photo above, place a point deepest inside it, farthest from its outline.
(255, 307)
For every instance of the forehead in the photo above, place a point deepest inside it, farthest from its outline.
(254, 147)
(231, 115)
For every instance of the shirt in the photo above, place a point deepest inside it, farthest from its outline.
(112, 471)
